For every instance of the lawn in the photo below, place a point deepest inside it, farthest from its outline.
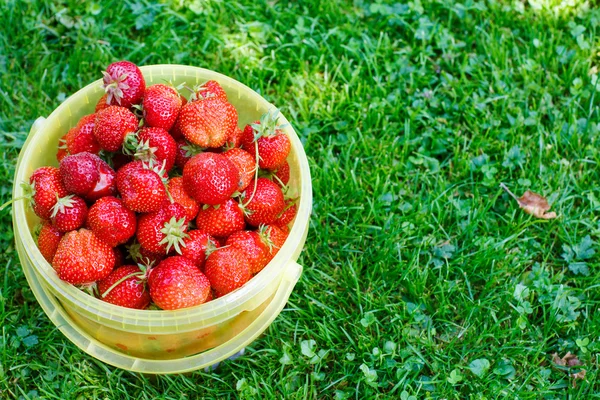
(422, 277)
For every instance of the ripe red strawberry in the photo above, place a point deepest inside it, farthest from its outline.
(164, 229)
(161, 106)
(125, 287)
(209, 89)
(43, 190)
(118, 256)
(196, 247)
(273, 144)
(227, 269)
(69, 213)
(282, 174)
(251, 244)
(235, 138)
(175, 130)
(210, 178)
(245, 164)
(102, 104)
(124, 84)
(288, 213)
(112, 125)
(177, 283)
(221, 220)
(142, 256)
(208, 122)
(141, 189)
(81, 137)
(87, 175)
(83, 258)
(185, 151)
(62, 151)
(152, 145)
(111, 221)
(274, 237)
(48, 240)
(264, 205)
(180, 196)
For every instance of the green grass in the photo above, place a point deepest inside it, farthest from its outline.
(417, 264)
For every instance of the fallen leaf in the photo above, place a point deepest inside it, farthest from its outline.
(568, 360)
(532, 203)
(578, 375)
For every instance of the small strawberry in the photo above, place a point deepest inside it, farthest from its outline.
(274, 237)
(152, 145)
(282, 175)
(197, 246)
(62, 151)
(227, 269)
(87, 175)
(111, 221)
(124, 84)
(112, 125)
(81, 137)
(288, 213)
(142, 256)
(161, 106)
(48, 240)
(263, 203)
(69, 213)
(185, 151)
(158, 231)
(44, 189)
(245, 164)
(177, 283)
(221, 220)
(83, 258)
(175, 130)
(251, 244)
(235, 138)
(125, 287)
(208, 90)
(210, 178)
(208, 122)
(102, 104)
(141, 189)
(180, 196)
(273, 144)
(118, 257)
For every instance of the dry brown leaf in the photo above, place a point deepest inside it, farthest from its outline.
(578, 375)
(568, 360)
(532, 203)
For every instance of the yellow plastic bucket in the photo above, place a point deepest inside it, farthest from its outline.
(155, 341)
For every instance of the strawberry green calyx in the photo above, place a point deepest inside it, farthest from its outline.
(114, 86)
(89, 288)
(134, 250)
(174, 231)
(268, 125)
(265, 237)
(139, 149)
(61, 204)
(192, 149)
(210, 247)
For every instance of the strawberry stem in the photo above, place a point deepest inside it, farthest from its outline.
(123, 279)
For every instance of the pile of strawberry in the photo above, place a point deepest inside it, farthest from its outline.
(163, 201)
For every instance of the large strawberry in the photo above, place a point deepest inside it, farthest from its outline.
(197, 246)
(161, 106)
(245, 164)
(48, 241)
(69, 213)
(44, 189)
(227, 269)
(112, 125)
(124, 84)
(251, 244)
(266, 137)
(87, 175)
(263, 202)
(210, 178)
(221, 220)
(179, 195)
(152, 145)
(81, 137)
(141, 189)
(125, 287)
(83, 258)
(177, 283)
(111, 221)
(208, 122)
(164, 229)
